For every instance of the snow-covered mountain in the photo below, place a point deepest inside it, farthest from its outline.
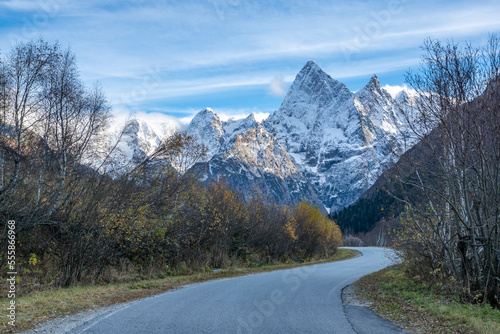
(340, 140)
(325, 143)
(208, 128)
(127, 143)
(245, 154)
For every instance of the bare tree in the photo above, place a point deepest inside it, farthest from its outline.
(182, 150)
(48, 120)
(456, 221)
(23, 81)
(74, 117)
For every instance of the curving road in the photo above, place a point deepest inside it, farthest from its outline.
(301, 300)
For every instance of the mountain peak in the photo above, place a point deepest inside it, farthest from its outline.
(207, 111)
(372, 87)
(373, 83)
(311, 69)
(311, 64)
(312, 94)
(206, 126)
(251, 118)
(234, 127)
(206, 114)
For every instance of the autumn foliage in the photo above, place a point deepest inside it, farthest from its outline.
(76, 224)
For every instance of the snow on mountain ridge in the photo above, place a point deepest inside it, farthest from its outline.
(325, 143)
(340, 140)
(208, 128)
(127, 142)
(252, 159)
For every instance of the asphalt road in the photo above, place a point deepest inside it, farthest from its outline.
(301, 300)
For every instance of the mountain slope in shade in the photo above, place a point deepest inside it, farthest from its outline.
(422, 164)
(340, 140)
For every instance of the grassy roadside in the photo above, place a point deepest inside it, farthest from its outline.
(423, 308)
(39, 307)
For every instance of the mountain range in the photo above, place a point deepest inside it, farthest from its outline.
(325, 143)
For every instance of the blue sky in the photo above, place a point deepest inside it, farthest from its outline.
(238, 56)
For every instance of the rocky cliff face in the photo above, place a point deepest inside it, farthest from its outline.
(340, 140)
(207, 127)
(325, 143)
(245, 154)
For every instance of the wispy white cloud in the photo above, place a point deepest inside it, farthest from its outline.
(121, 116)
(21, 5)
(277, 87)
(197, 47)
(226, 114)
(395, 90)
(163, 87)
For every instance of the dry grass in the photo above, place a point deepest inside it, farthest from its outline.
(423, 308)
(38, 307)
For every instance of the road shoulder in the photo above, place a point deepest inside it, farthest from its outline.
(362, 319)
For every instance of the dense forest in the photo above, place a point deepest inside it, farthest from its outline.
(365, 213)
